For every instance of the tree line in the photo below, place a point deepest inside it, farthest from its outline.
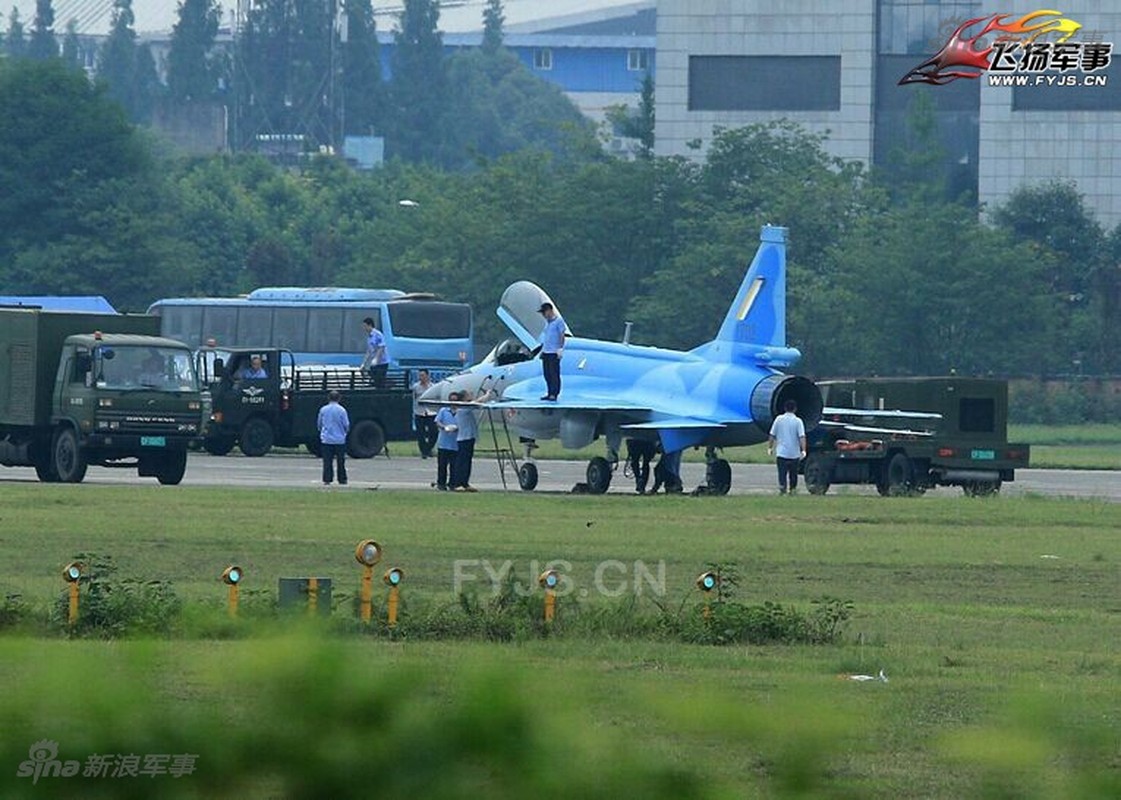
(311, 71)
(886, 276)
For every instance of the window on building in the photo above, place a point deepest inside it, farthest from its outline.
(637, 60)
(542, 58)
(764, 83)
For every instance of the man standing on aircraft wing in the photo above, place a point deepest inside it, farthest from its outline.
(552, 346)
(788, 444)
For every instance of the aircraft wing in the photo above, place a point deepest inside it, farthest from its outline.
(585, 404)
(673, 422)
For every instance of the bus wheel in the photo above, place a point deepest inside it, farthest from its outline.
(69, 461)
(366, 439)
(527, 476)
(256, 437)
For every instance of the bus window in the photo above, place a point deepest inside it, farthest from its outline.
(182, 323)
(220, 323)
(254, 327)
(325, 331)
(425, 320)
(289, 328)
(353, 334)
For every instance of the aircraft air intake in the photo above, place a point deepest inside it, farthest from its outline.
(771, 394)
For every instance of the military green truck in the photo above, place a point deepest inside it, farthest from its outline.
(105, 389)
(907, 435)
(279, 406)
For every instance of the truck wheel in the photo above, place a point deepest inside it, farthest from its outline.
(219, 445)
(718, 476)
(69, 462)
(899, 476)
(366, 439)
(172, 468)
(818, 473)
(256, 437)
(527, 476)
(598, 475)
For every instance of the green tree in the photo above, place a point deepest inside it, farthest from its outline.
(42, 43)
(1081, 278)
(363, 93)
(190, 68)
(419, 86)
(640, 124)
(71, 49)
(15, 44)
(84, 204)
(127, 75)
(493, 20)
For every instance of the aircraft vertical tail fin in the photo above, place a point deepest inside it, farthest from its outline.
(755, 326)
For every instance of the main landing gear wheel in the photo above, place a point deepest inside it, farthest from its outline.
(599, 475)
(527, 476)
(718, 476)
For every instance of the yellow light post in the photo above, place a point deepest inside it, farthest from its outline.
(548, 580)
(72, 573)
(232, 577)
(393, 577)
(368, 553)
(706, 582)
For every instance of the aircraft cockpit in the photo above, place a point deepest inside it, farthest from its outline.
(509, 351)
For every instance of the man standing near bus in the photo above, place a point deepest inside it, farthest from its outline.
(424, 419)
(376, 361)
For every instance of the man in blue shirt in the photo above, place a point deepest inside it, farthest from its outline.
(334, 424)
(376, 361)
(467, 430)
(552, 347)
(446, 446)
(255, 369)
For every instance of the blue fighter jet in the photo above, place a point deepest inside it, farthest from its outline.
(723, 393)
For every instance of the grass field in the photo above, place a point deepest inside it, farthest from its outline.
(995, 621)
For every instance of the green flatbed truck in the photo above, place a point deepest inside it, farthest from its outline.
(282, 408)
(105, 389)
(961, 441)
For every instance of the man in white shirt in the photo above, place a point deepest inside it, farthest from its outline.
(788, 444)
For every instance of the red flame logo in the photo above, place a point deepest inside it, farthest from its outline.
(963, 57)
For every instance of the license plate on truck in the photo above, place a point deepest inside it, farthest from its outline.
(153, 441)
(983, 455)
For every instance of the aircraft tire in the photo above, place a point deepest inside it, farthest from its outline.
(527, 476)
(599, 475)
(718, 476)
(256, 437)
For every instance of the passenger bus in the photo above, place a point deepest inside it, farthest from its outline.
(324, 326)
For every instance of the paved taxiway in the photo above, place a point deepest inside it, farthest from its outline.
(410, 472)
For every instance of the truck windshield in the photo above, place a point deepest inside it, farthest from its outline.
(163, 369)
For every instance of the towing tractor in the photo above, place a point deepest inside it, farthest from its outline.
(261, 398)
(907, 435)
(104, 389)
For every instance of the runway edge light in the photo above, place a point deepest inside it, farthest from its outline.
(548, 581)
(367, 553)
(393, 577)
(72, 573)
(232, 576)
